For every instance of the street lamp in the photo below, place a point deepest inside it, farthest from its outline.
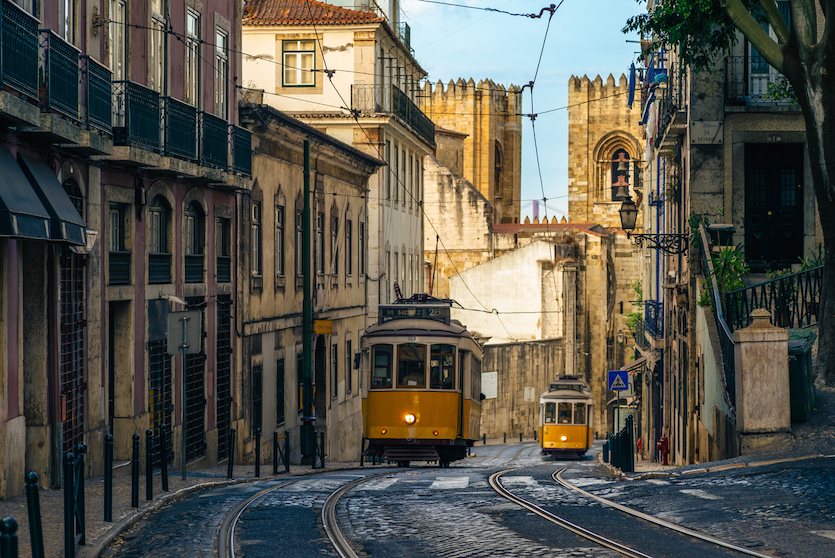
(667, 243)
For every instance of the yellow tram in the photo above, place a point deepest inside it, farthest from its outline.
(421, 398)
(565, 417)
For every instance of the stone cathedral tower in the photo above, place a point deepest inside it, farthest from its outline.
(490, 115)
(604, 149)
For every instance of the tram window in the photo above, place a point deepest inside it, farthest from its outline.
(476, 380)
(381, 373)
(411, 366)
(550, 411)
(462, 369)
(442, 367)
(564, 413)
(579, 413)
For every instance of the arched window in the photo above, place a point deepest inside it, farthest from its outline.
(620, 175)
(194, 239)
(73, 190)
(159, 253)
(497, 171)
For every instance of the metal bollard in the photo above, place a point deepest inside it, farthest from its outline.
(362, 450)
(484, 439)
(322, 448)
(8, 537)
(149, 464)
(163, 453)
(505, 438)
(275, 452)
(108, 477)
(134, 473)
(257, 452)
(534, 435)
(231, 454)
(33, 506)
(286, 452)
(520, 436)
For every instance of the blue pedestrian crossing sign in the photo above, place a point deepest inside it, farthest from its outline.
(618, 380)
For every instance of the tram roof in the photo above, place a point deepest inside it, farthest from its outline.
(417, 326)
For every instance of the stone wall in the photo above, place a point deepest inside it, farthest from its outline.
(533, 364)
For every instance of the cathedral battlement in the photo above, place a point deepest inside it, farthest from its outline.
(460, 90)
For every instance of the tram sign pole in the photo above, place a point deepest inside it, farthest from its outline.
(618, 382)
(185, 326)
(308, 433)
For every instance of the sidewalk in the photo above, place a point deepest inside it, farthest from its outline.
(99, 533)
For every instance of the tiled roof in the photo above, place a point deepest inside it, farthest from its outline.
(302, 12)
(514, 228)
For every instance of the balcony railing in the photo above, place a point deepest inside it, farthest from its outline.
(389, 99)
(98, 93)
(214, 136)
(224, 269)
(726, 342)
(159, 268)
(59, 68)
(747, 80)
(20, 50)
(180, 129)
(241, 150)
(654, 318)
(136, 121)
(119, 267)
(793, 300)
(194, 268)
(640, 336)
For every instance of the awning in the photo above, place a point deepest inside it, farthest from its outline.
(22, 214)
(66, 225)
(637, 363)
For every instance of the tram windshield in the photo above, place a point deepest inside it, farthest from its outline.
(550, 411)
(564, 413)
(381, 373)
(411, 366)
(442, 367)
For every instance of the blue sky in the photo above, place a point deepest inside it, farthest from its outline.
(585, 38)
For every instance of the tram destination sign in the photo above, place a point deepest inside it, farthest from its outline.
(437, 312)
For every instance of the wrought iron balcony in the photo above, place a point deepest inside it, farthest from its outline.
(640, 335)
(194, 268)
(224, 269)
(119, 267)
(180, 129)
(747, 79)
(159, 268)
(793, 300)
(98, 93)
(214, 137)
(388, 99)
(136, 118)
(59, 70)
(654, 318)
(20, 50)
(241, 150)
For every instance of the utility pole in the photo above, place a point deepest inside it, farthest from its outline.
(308, 433)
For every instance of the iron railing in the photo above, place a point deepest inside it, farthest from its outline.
(59, 70)
(241, 150)
(726, 342)
(214, 148)
(98, 92)
(389, 99)
(747, 79)
(194, 268)
(793, 300)
(119, 266)
(224, 269)
(640, 335)
(159, 268)
(671, 100)
(20, 50)
(654, 318)
(136, 119)
(180, 129)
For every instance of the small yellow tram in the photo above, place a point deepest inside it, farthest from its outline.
(565, 417)
(421, 398)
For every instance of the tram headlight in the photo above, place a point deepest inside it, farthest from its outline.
(435, 432)
(563, 438)
(383, 431)
(410, 418)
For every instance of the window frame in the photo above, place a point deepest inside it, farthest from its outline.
(157, 48)
(401, 377)
(117, 57)
(221, 73)
(299, 242)
(192, 54)
(349, 369)
(256, 254)
(389, 367)
(349, 253)
(361, 249)
(296, 65)
(279, 241)
(334, 370)
(159, 219)
(280, 407)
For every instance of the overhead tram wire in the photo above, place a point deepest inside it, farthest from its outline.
(533, 16)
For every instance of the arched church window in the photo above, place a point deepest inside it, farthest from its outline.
(620, 175)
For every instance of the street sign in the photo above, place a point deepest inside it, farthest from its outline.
(618, 380)
(193, 330)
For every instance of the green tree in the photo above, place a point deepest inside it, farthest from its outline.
(804, 52)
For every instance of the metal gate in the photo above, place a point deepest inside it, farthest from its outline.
(160, 404)
(224, 374)
(195, 400)
(73, 327)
